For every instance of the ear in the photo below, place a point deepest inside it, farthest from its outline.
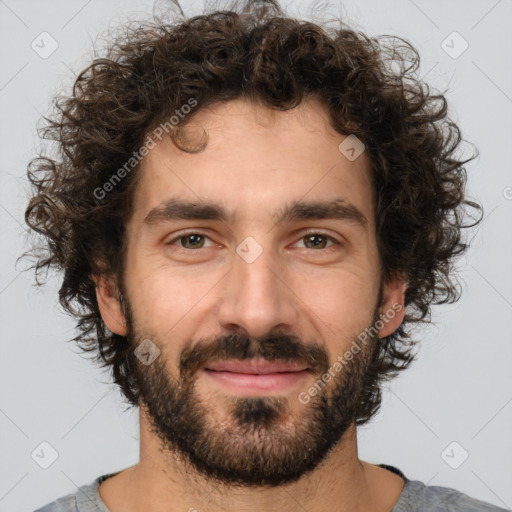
(108, 302)
(392, 308)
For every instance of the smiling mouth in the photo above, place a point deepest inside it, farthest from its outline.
(255, 366)
(256, 376)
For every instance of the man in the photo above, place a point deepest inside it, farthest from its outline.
(251, 213)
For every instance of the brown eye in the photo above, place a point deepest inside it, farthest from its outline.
(315, 241)
(192, 241)
(319, 241)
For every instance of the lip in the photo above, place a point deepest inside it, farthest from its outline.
(255, 366)
(256, 377)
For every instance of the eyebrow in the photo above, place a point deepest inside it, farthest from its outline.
(336, 209)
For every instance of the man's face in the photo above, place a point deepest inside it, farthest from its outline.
(254, 288)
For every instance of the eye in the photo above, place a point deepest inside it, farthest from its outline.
(189, 241)
(318, 240)
(196, 240)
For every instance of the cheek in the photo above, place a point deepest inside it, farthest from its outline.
(165, 298)
(340, 304)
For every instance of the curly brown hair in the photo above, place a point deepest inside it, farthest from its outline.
(370, 88)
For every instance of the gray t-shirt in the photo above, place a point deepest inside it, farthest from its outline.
(415, 497)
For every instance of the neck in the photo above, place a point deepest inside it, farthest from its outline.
(341, 482)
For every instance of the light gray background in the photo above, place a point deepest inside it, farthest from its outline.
(459, 390)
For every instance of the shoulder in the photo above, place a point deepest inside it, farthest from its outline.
(64, 504)
(420, 497)
(86, 499)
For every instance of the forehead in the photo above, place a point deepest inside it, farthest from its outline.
(256, 160)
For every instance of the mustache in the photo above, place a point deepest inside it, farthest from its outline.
(280, 347)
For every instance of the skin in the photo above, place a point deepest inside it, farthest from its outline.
(256, 160)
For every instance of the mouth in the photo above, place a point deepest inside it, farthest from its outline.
(255, 366)
(255, 376)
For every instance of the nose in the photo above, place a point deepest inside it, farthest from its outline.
(256, 297)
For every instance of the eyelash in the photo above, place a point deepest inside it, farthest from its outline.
(307, 233)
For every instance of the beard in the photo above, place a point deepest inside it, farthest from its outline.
(262, 441)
